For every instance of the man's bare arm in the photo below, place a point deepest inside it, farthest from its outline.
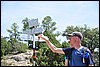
(51, 46)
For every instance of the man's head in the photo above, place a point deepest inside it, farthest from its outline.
(75, 37)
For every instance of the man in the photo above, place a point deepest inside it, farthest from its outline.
(66, 57)
(77, 58)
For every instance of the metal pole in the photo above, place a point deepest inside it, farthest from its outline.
(34, 55)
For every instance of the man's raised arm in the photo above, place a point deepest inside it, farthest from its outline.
(50, 45)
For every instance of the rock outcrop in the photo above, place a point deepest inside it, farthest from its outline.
(21, 59)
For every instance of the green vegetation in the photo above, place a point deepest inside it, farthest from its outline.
(12, 44)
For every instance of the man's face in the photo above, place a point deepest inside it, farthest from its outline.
(73, 40)
(70, 40)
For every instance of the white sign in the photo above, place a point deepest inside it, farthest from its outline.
(40, 40)
(26, 38)
(33, 22)
(27, 31)
(33, 31)
(38, 30)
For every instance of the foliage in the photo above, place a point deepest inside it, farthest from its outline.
(96, 58)
(13, 33)
(21, 47)
(25, 23)
(65, 44)
(4, 47)
(8, 48)
(11, 44)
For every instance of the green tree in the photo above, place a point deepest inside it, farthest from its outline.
(13, 35)
(4, 47)
(15, 45)
(65, 44)
(25, 23)
(49, 27)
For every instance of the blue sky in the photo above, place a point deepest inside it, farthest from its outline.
(64, 13)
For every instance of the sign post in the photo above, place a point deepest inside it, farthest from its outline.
(32, 25)
(32, 31)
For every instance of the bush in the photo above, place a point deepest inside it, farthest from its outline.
(21, 47)
(4, 47)
(96, 58)
(8, 47)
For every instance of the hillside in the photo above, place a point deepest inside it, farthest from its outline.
(21, 59)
